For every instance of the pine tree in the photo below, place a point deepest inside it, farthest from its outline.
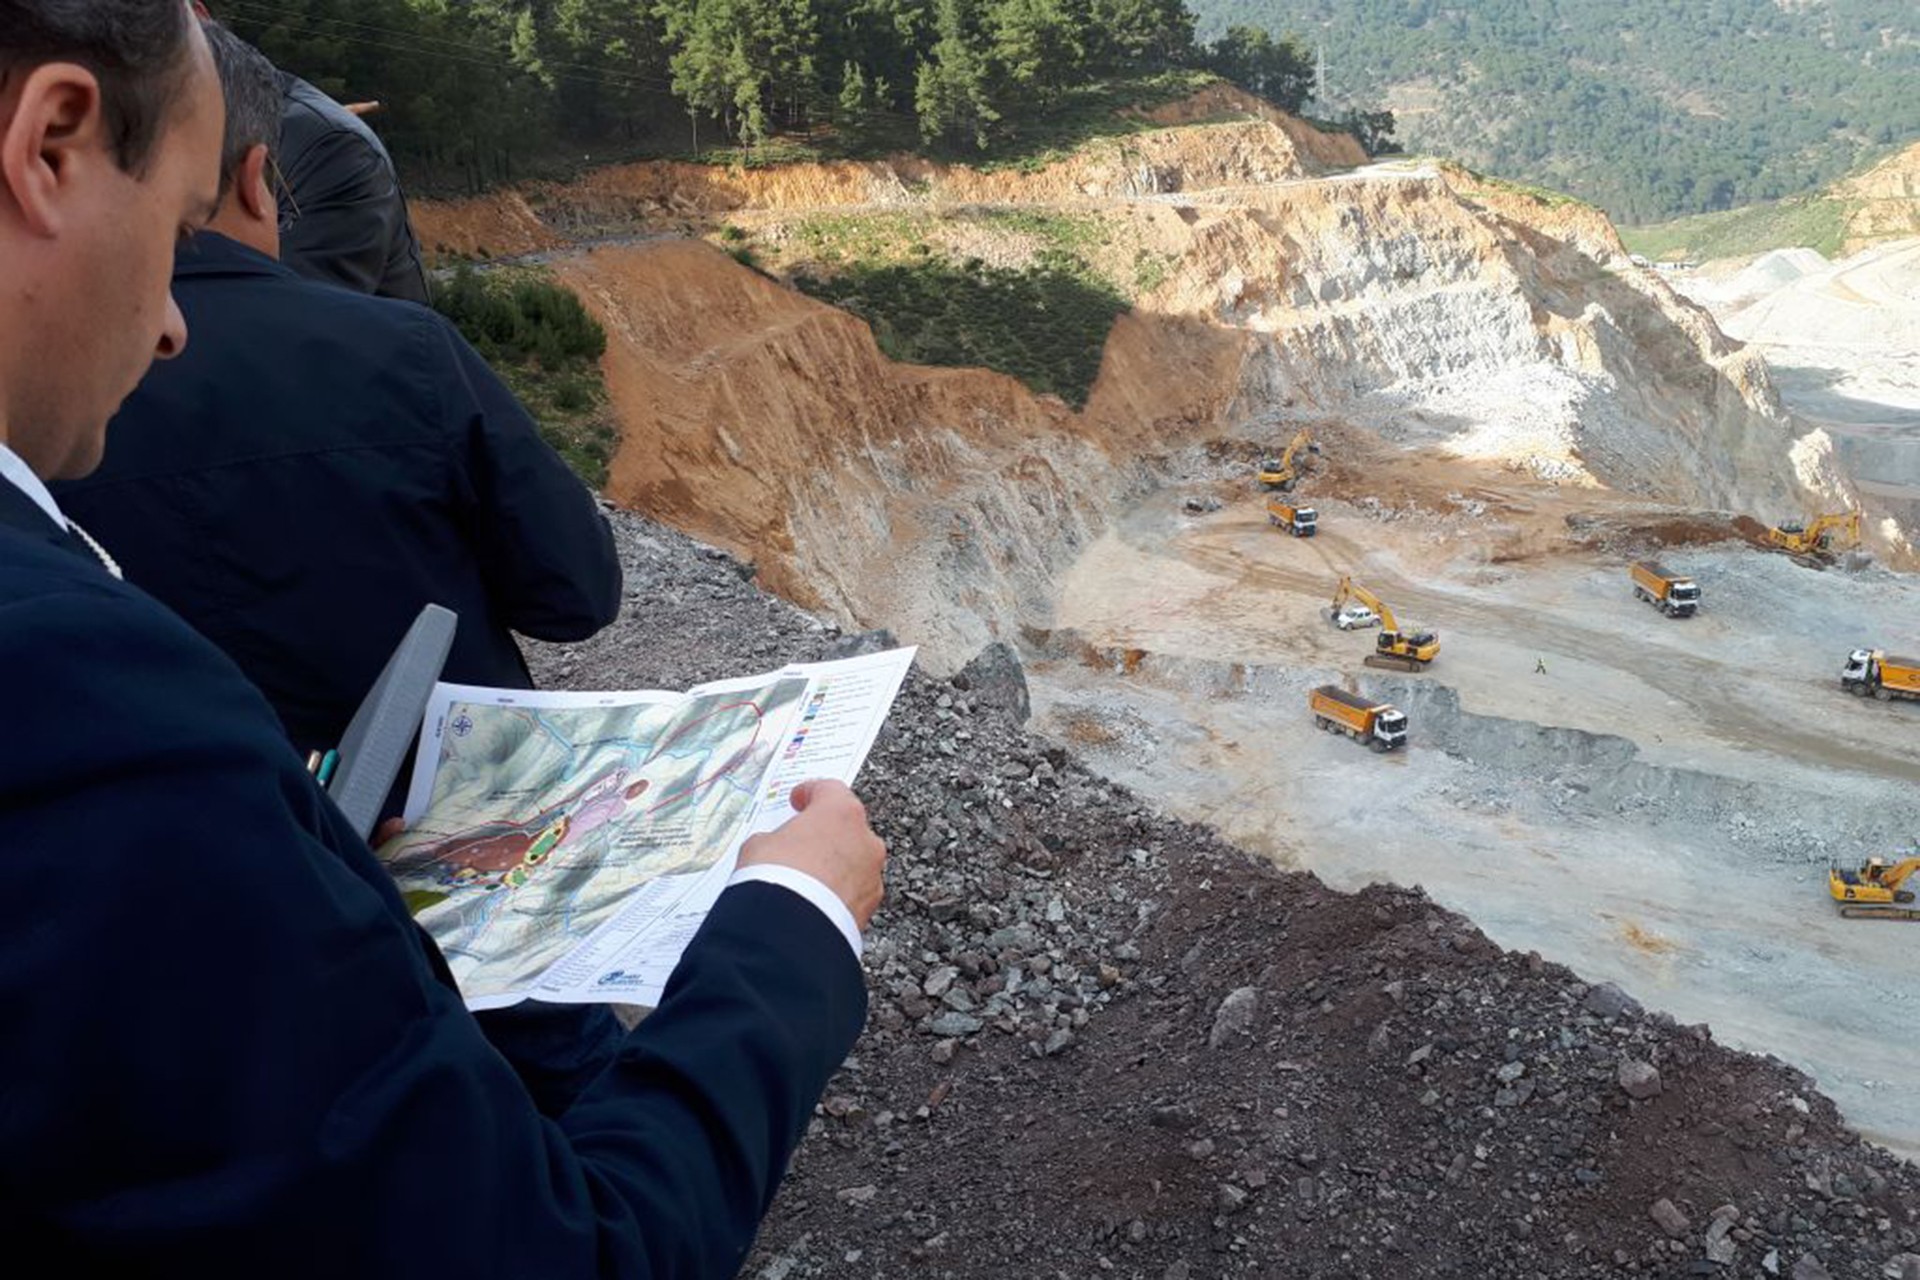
(954, 88)
(1036, 45)
(1139, 35)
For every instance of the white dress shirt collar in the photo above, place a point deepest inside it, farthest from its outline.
(13, 469)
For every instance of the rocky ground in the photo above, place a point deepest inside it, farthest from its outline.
(1105, 1041)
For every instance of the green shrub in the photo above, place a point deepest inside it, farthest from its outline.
(1045, 325)
(520, 315)
(546, 347)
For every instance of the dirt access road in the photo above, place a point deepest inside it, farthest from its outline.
(1656, 809)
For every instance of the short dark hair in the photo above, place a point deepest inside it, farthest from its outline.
(137, 49)
(251, 86)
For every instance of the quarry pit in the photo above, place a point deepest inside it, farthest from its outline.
(1511, 412)
(1656, 808)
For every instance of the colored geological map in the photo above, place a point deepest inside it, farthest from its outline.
(544, 820)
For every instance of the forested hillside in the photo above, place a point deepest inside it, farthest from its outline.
(481, 90)
(1649, 108)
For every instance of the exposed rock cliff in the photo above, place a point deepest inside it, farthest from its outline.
(1888, 197)
(1437, 312)
(943, 497)
(637, 197)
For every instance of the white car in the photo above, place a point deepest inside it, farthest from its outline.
(1352, 616)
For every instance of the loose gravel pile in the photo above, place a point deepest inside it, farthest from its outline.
(1105, 1042)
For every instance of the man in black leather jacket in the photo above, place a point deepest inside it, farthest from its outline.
(343, 217)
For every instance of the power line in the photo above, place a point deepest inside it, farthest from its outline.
(468, 53)
(450, 50)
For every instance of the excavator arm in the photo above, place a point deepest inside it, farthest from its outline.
(1302, 439)
(1846, 524)
(1351, 590)
(1896, 875)
(1282, 474)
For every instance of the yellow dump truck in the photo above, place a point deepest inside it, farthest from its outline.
(1876, 673)
(1301, 522)
(1380, 725)
(1671, 593)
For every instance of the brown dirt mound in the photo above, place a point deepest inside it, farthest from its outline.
(720, 437)
(1627, 531)
(499, 225)
(1329, 150)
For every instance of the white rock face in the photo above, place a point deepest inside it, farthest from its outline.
(1451, 318)
(1843, 341)
(1400, 303)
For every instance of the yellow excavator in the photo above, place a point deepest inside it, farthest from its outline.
(1874, 890)
(1408, 650)
(1282, 472)
(1837, 532)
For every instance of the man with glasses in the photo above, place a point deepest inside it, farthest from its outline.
(343, 216)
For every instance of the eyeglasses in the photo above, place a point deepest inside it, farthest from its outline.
(283, 195)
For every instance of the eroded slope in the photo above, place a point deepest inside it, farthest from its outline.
(1425, 309)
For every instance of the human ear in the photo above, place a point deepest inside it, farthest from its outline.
(252, 187)
(54, 134)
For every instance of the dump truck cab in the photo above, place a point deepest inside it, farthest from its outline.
(1390, 728)
(1301, 522)
(1878, 674)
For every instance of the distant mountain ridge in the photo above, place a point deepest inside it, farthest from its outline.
(1880, 203)
(1651, 110)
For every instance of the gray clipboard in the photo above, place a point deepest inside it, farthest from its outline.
(384, 728)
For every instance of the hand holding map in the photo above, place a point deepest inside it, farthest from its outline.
(566, 845)
(828, 838)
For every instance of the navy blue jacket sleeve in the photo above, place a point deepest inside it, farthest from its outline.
(545, 549)
(229, 1053)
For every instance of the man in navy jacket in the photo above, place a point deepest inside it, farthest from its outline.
(230, 1053)
(319, 464)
